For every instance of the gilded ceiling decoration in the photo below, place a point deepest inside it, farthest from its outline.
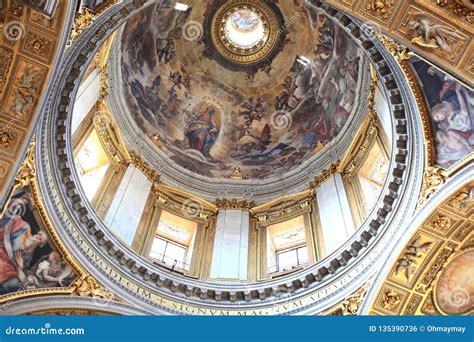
(434, 273)
(439, 30)
(242, 33)
(31, 34)
(46, 7)
(220, 89)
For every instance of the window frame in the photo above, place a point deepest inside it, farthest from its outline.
(286, 250)
(178, 262)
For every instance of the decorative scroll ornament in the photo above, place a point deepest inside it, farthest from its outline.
(391, 299)
(351, 305)
(433, 179)
(88, 287)
(324, 176)
(371, 103)
(234, 204)
(82, 21)
(27, 171)
(400, 52)
(104, 83)
(460, 8)
(137, 161)
(442, 223)
(380, 8)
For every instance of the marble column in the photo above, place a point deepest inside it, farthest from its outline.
(384, 114)
(231, 242)
(127, 207)
(87, 97)
(334, 213)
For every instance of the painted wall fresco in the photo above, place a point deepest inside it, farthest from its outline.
(28, 259)
(209, 120)
(455, 287)
(451, 108)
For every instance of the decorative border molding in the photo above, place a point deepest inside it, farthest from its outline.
(44, 304)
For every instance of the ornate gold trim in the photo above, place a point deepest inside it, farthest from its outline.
(234, 204)
(27, 172)
(238, 55)
(82, 21)
(400, 52)
(111, 138)
(85, 18)
(324, 175)
(408, 288)
(350, 306)
(137, 161)
(433, 179)
(463, 9)
(87, 286)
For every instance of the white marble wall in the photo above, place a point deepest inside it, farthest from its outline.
(127, 207)
(87, 96)
(383, 111)
(335, 213)
(230, 255)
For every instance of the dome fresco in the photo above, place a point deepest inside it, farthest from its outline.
(266, 119)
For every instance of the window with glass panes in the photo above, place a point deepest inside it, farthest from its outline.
(169, 253)
(289, 258)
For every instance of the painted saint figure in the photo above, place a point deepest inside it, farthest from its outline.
(17, 245)
(453, 115)
(202, 130)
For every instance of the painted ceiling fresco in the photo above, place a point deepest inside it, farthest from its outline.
(451, 109)
(210, 120)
